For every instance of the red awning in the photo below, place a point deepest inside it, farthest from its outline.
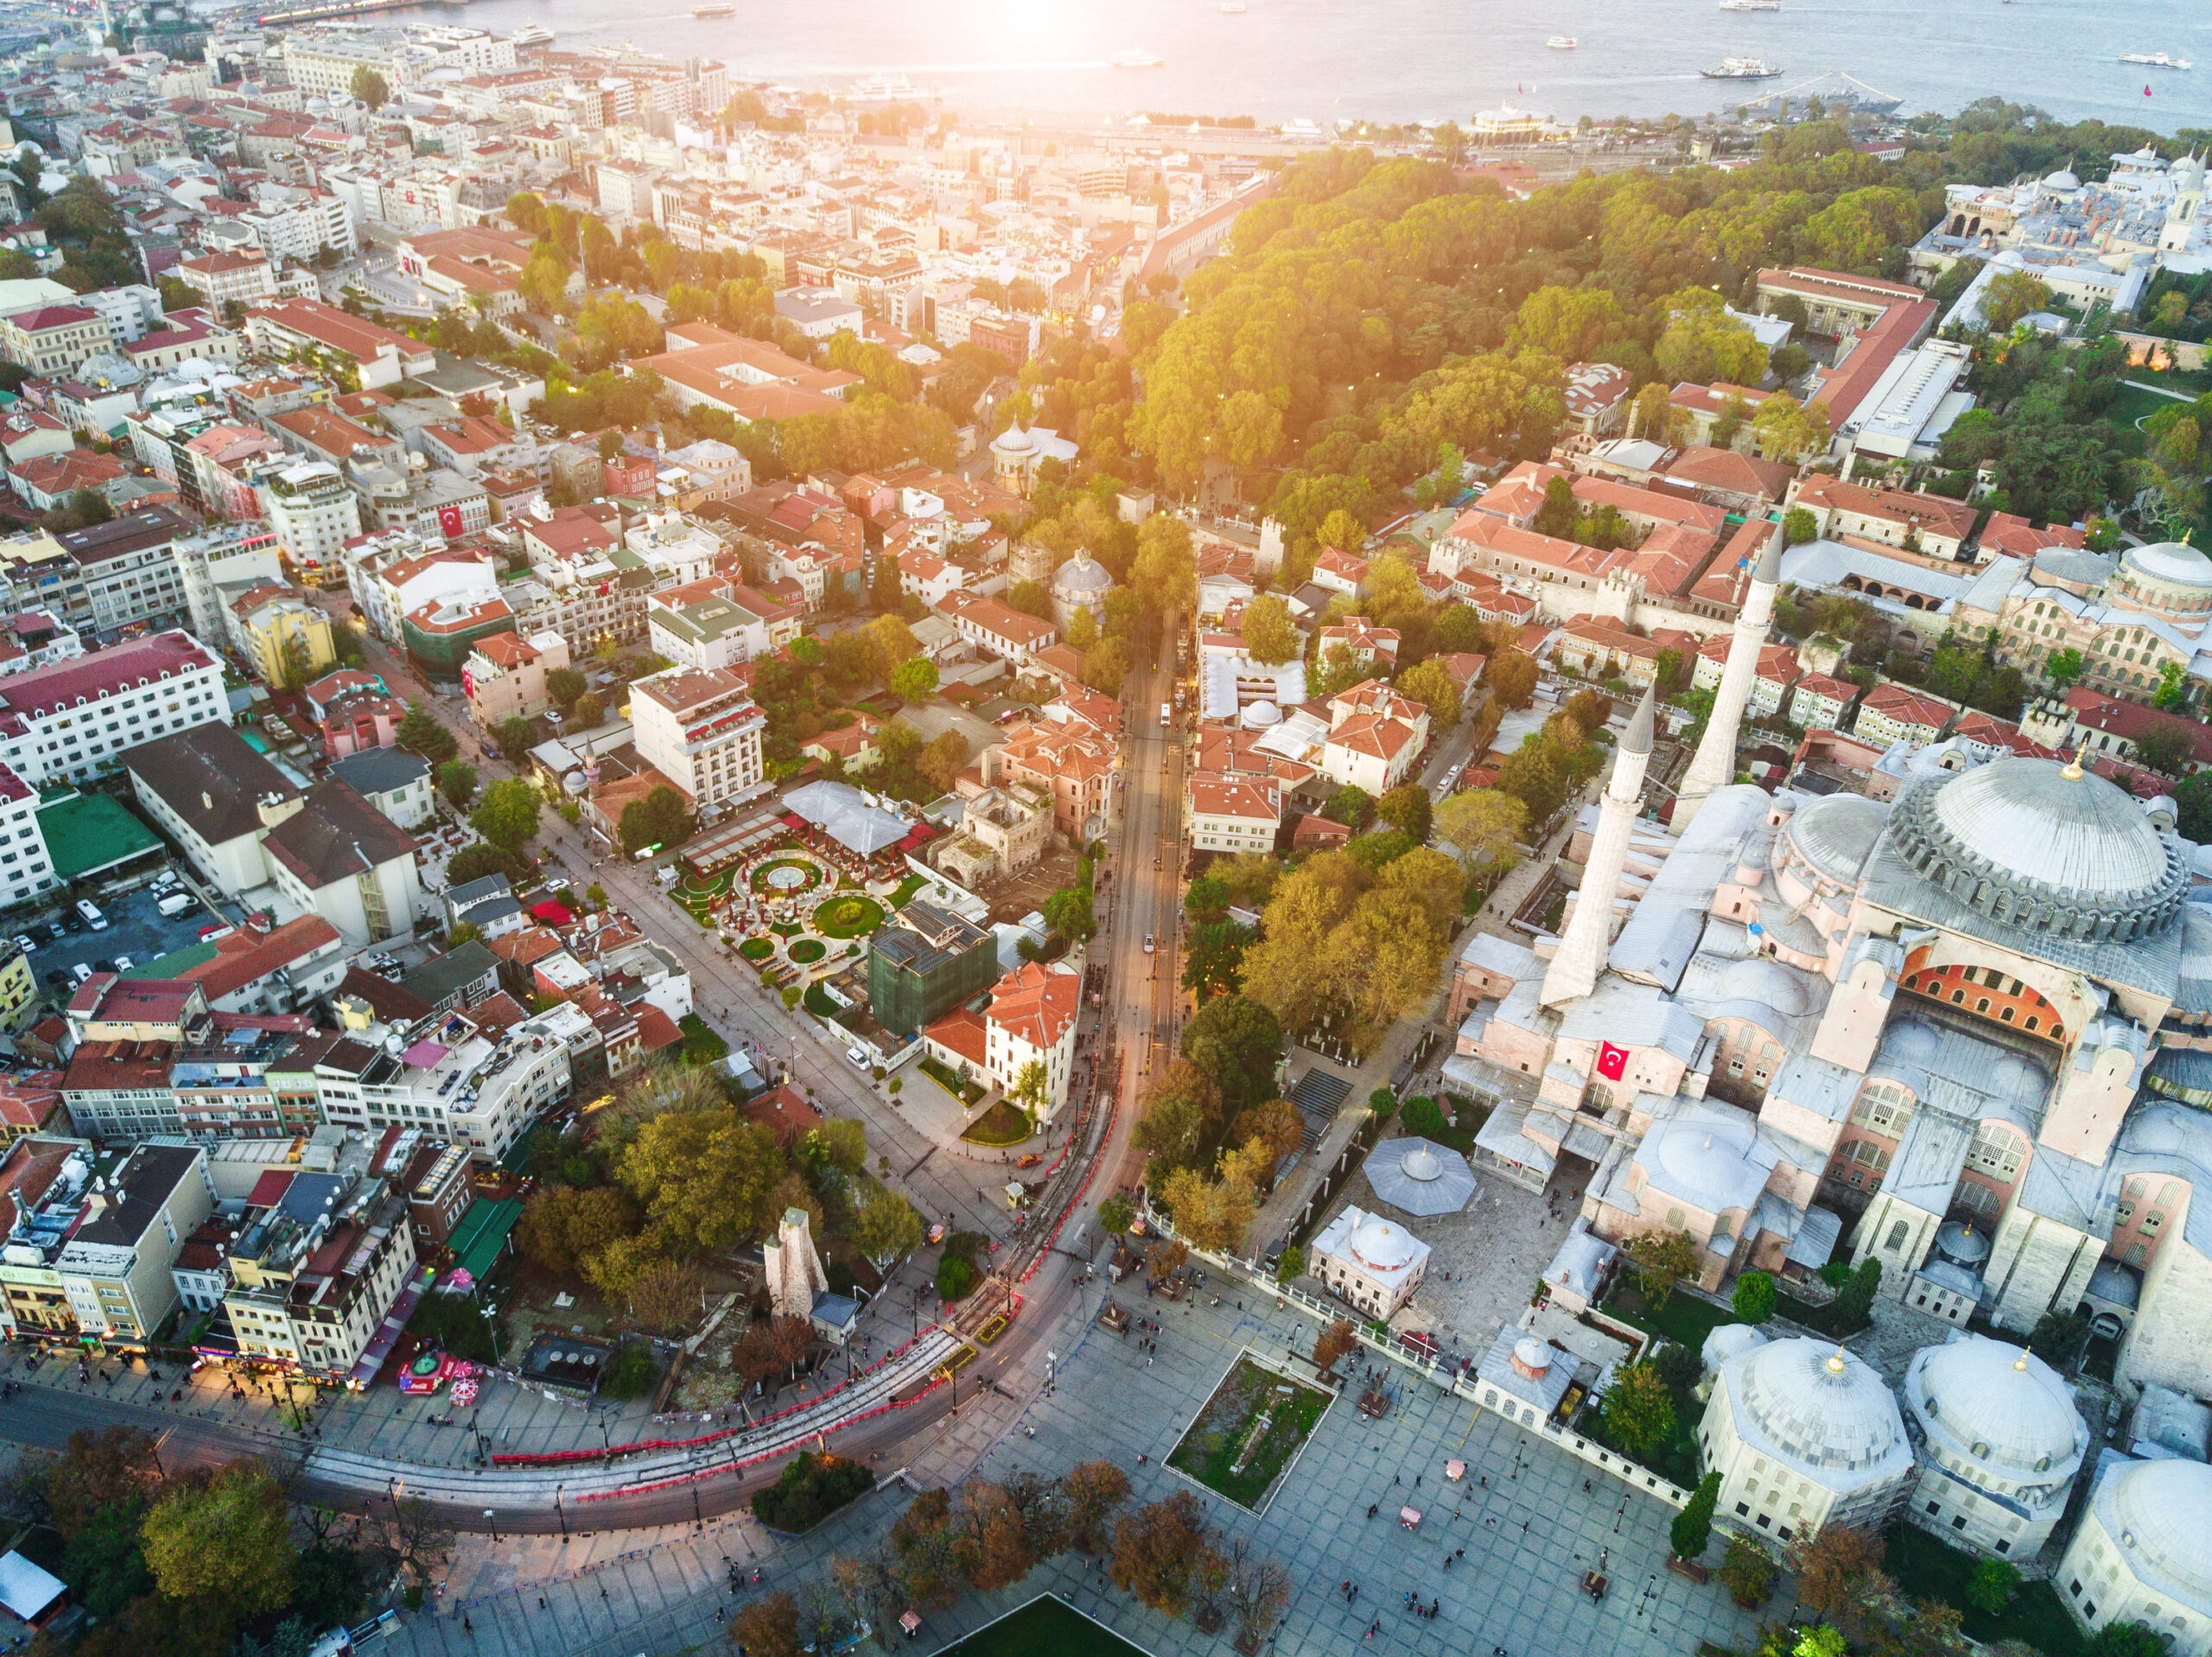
(552, 913)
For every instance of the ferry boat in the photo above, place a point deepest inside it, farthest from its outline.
(1742, 69)
(714, 11)
(1136, 58)
(1232, 8)
(889, 89)
(1561, 42)
(2157, 60)
(533, 35)
(1750, 5)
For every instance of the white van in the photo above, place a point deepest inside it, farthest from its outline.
(93, 918)
(176, 904)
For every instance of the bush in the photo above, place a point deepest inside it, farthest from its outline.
(956, 1278)
(1749, 1573)
(1383, 1103)
(1754, 1297)
(811, 1489)
(1424, 1118)
(1692, 1527)
(1291, 1265)
(631, 1375)
(1993, 1585)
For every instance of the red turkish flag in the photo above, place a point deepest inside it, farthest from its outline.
(1612, 1062)
(449, 520)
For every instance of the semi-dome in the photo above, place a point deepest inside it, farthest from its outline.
(1999, 1405)
(2158, 1508)
(1821, 1409)
(1726, 1340)
(1835, 833)
(2169, 561)
(2063, 179)
(2049, 849)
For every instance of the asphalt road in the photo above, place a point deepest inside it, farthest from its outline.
(1140, 895)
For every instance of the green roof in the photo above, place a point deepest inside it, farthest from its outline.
(481, 1236)
(89, 833)
(178, 963)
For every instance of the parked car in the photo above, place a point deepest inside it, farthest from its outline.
(123, 963)
(79, 972)
(92, 915)
(25, 944)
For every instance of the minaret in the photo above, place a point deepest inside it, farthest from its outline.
(1714, 766)
(1574, 972)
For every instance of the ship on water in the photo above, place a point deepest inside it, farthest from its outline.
(1136, 58)
(714, 11)
(1750, 5)
(533, 35)
(1743, 69)
(1561, 42)
(2156, 61)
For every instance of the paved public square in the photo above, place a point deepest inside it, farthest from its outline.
(1528, 1527)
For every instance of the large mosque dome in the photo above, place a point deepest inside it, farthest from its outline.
(2159, 1509)
(1819, 1408)
(2049, 849)
(1998, 1404)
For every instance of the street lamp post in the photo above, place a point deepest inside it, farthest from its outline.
(493, 1520)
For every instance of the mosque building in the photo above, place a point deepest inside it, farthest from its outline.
(2000, 1441)
(2143, 1553)
(1962, 1033)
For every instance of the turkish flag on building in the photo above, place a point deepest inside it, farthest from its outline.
(1612, 1062)
(449, 520)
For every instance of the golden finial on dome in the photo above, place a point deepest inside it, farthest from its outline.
(2072, 772)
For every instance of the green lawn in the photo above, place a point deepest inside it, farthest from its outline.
(907, 888)
(807, 949)
(1685, 1319)
(1046, 1627)
(701, 1044)
(819, 1004)
(848, 917)
(756, 949)
(1924, 1568)
(1214, 1451)
(1002, 1124)
(967, 1092)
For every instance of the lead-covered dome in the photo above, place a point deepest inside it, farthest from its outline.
(1381, 1246)
(2156, 1514)
(1997, 1405)
(1834, 834)
(1819, 1408)
(2169, 561)
(2049, 849)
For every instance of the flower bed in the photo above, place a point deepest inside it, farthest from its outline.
(807, 949)
(756, 949)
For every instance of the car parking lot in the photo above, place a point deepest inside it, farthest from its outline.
(136, 928)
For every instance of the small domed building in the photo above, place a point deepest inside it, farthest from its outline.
(1081, 583)
(2143, 1553)
(1803, 1435)
(2000, 1441)
(1372, 1263)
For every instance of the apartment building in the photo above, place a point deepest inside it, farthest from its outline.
(114, 1264)
(54, 340)
(129, 572)
(311, 510)
(220, 278)
(503, 677)
(317, 1269)
(700, 729)
(717, 623)
(75, 719)
(1233, 814)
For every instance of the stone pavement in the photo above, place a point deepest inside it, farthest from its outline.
(1529, 1525)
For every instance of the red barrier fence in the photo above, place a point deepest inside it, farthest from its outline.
(644, 1446)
